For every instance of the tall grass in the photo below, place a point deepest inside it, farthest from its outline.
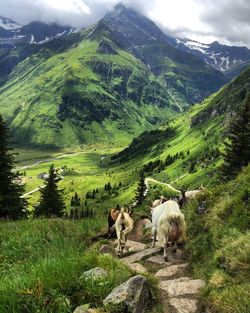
(219, 246)
(42, 261)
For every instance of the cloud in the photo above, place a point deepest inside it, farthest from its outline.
(205, 20)
(229, 20)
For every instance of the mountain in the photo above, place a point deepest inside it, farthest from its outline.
(12, 34)
(186, 151)
(105, 84)
(188, 78)
(8, 24)
(81, 89)
(230, 60)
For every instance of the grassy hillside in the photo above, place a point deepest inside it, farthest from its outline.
(219, 246)
(94, 91)
(101, 85)
(42, 261)
(191, 157)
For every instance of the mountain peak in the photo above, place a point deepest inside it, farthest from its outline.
(120, 7)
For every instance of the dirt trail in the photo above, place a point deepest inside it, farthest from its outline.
(148, 179)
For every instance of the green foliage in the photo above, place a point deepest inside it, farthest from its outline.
(11, 203)
(51, 201)
(237, 152)
(141, 189)
(141, 145)
(41, 262)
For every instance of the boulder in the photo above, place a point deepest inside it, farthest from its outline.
(95, 274)
(134, 295)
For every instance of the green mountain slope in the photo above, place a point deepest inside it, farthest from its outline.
(102, 85)
(94, 91)
(191, 156)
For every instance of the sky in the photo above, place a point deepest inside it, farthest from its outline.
(227, 21)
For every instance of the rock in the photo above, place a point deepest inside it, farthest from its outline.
(140, 255)
(134, 295)
(147, 223)
(105, 249)
(184, 305)
(81, 309)
(181, 286)
(95, 274)
(135, 246)
(158, 259)
(171, 270)
(137, 267)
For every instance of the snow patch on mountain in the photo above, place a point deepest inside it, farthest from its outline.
(8, 24)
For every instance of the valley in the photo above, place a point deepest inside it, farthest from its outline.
(118, 114)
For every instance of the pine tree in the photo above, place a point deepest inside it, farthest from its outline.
(237, 150)
(141, 188)
(51, 200)
(11, 203)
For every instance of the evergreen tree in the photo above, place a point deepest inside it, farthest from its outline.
(51, 200)
(237, 150)
(11, 203)
(141, 188)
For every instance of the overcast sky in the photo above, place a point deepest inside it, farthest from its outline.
(227, 21)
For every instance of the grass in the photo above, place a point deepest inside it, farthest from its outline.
(42, 261)
(219, 247)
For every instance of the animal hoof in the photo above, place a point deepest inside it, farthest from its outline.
(165, 258)
(174, 250)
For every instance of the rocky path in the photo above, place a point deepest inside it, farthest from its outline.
(178, 291)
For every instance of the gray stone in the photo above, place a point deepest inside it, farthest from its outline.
(81, 309)
(158, 259)
(135, 246)
(134, 295)
(105, 249)
(184, 305)
(140, 255)
(182, 286)
(137, 267)
(95, 274)
(171, 270)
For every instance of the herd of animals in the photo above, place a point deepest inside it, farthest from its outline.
(167, 222)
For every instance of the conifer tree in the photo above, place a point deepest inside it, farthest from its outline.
(237, 150)
(51, 200)
(11, 203)
(141, 188)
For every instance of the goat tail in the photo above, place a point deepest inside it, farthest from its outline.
(179, 219)
(122, 212)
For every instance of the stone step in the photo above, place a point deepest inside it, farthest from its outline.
(181, 286)
(172, 257)
(184, 305)
(140, 255)
(137, 267)
(171, 270)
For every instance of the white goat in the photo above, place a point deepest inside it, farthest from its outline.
(124, 224)
(158, 201)
(169, 223)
